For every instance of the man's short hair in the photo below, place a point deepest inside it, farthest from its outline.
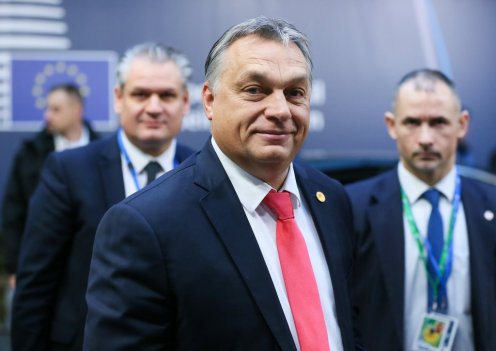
(70, 89)
(155, 52)
(269, 28)
(425, 80)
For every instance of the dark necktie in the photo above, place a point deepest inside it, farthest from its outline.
(152, 169)
(436, 240)
(301, 286)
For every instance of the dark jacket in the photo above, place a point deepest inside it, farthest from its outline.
(177, 267)
(76, 188)
(23, 179)
(378, 283)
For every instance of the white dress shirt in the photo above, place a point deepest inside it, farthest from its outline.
(139, 160)
(251, 191)
(62, 143)
(415, 273)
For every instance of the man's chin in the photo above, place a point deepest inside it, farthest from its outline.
(427, 167)
(153, 144)
(154, 137)
(275, 155)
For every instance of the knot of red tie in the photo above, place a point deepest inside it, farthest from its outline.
(280, 204)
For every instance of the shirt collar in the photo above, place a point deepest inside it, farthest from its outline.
(414, 187)
(62, 143)
(250, 190)
(139, 159)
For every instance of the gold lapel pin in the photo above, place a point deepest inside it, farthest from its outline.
(320, 196)
(488, 215)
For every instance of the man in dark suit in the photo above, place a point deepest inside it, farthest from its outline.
(65, 128)
(395, 285)
(78, 186)
(193, 262)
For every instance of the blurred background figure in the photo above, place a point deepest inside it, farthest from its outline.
(64, 128)
(77, 187)
(425, 233)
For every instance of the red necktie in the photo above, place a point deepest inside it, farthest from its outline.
(297, 272)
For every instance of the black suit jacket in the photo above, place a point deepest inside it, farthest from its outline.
(23, 179)
(177, 267)
(76, 189)
(378, 288)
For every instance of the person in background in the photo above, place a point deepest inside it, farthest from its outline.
(425, 262)
(78, 186)
(238, 248)
(65, 128)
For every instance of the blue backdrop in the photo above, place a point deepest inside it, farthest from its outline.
(360, 49)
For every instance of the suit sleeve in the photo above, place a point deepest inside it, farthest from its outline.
(128, 306)
(42, 259)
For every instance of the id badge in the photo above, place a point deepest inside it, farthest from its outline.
(436, 332)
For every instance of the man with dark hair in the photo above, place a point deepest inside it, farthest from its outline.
(238, 248)
(78, 186)
(425, 267)
(65, 128)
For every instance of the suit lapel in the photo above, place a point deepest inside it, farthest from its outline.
(111, 172)
(386, 222)
(235, 232)
(482, 260)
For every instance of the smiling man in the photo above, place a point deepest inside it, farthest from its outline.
(426, 238)
(78, 186)
(238, 248)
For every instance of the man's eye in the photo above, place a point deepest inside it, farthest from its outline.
(167, 96)
(437, 122)
(411, 122)
(253, 90)
(139, 94)
(296, 93)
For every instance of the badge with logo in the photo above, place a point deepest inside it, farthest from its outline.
(435, 333)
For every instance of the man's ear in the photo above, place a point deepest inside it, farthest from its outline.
(118, 100)
(463, 120)
(186, 105)
(208, 100)
(390, 121)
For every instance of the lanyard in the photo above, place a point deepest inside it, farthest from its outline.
(130, 166)
(442, 268)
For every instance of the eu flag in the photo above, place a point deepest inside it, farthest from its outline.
(32, 75)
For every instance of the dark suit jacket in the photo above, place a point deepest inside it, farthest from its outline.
(378, 288)
(76, 189)
(23, 179)
(177, 266)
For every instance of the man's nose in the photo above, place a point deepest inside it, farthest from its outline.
(426, 135)
(277, 106)
(154, 104)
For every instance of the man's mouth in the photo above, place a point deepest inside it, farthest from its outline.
(152, 123)
(427, 155)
